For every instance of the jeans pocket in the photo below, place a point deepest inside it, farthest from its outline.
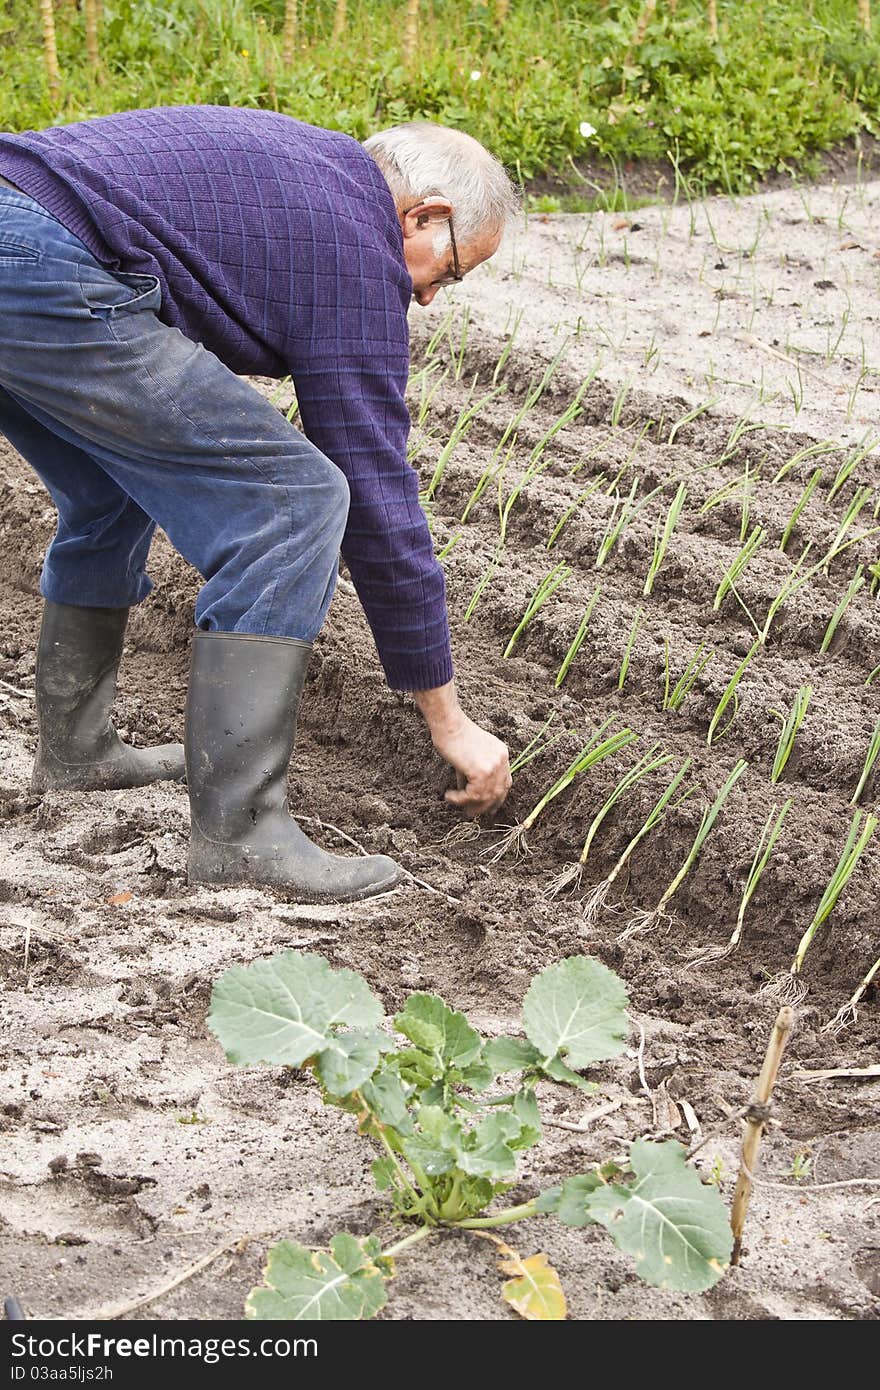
(14, 251)
(108, 293)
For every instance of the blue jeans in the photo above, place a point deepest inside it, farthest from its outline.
(130, 424)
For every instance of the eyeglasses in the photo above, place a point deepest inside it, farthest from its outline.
(456, 275)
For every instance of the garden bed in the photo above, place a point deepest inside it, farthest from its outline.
(131, 1148)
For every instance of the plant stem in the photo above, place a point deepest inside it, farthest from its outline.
(500, 1218)
(421, 1234)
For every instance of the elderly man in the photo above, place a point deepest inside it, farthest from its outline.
(146, 259)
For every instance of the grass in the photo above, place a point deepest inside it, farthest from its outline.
(781, 81)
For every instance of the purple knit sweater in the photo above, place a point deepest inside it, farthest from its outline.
(278, 247)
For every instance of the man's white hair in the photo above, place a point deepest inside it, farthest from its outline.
(419, 159)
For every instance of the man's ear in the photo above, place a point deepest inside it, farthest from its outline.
(431, 208)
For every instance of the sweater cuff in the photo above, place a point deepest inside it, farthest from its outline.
(414, 674)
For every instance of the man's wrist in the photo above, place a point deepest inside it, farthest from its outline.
(440, 709)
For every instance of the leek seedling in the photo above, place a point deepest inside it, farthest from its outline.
(855, 584)
(650, 762)
(662, 539)
(860, 497)
(575, 506)
(535, 464)
(449, 546)
(548, 585)
(627, 651)
(728, 492)
(799, 507)
(508, 347)
(484, 579)
(745, 553)
(599, 895)
(691, 415)
(790, 986)
(850, 1011)
(594, 750)
(675, 698)
(730, 694)
(621, 515)
(872, 675)
(870, 759)
(618, 404)
(790, 727)
(769, 836)
(491, 472)
(850, 463)
(459, 430)
(539, 744)
(825, 446)
(643, 920)
(627, 463)
(579, 636)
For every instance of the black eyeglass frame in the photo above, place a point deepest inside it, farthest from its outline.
(456, 275)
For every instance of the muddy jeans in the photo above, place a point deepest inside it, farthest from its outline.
(130, 424)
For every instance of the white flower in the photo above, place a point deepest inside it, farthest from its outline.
(476, 75)
(586, 130)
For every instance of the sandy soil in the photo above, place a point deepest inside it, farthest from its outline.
(130, 1148)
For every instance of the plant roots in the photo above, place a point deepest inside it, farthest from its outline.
(787, 988)
(569, 878)
(642, 921)
(512, 838)
(842, 1019)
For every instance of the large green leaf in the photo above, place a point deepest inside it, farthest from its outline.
(386, 1096)
(569, 1200)
(437, 1145)
(349, 1059)
(342, 1284)
(576, 1010)
(487, 1151)
(285, 1009)
(510, 1054)
(676, 1227)
(435, 1028)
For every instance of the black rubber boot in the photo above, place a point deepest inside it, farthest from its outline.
(240, 729)
(79, 750)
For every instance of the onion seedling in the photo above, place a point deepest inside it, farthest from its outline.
(769, 836)
(850, 1011)
(790, 727)
(627, 651)
(548, 585)
(730, 694)
(855, 584)
(872, 676)
(695, 667)
(870, 759)
(789, 986)
(508, 347)
(745, 553)
(650, 762)
(579, 636)
(537, 463)
(598, 897)
(799, 507)
(594, 750)
(642, 921)
(662, 539)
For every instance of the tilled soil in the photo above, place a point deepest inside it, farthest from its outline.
(131, 1148)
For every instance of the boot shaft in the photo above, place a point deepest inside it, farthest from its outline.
(241, 718)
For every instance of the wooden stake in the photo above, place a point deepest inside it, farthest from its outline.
(865, 15)
(91, 11)
(288, 36)
(53, 74)
(756, 1125)
(712, 16)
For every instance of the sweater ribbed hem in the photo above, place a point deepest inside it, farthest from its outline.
(53, 194)
(426, 675)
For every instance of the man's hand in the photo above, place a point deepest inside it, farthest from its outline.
(480, 759)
